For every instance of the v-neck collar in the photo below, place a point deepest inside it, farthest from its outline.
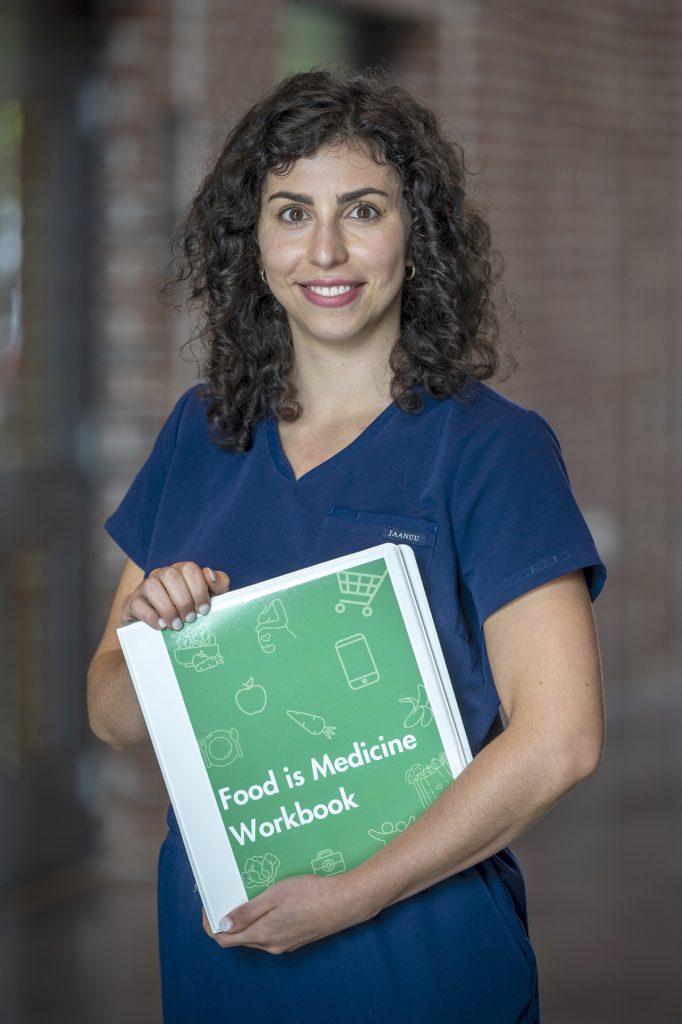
(334, 461)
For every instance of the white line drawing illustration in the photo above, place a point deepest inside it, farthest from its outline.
(197, 648)
(220, 748)
(357, 661)
(421, 713)
(252, 698)
(389, 829)
(358, 588)
(272, 617)
(430, 779)
(260, 870)
(314, 724)
(328, 862)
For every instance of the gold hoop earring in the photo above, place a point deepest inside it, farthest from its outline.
(262, 276)
(408, 275)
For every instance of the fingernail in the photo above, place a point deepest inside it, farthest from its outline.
(225, 923)
(178, 623)
(204, 609)
(212, 575)
(190, 617)
(162, 624)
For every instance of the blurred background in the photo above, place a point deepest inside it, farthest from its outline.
(110, 113)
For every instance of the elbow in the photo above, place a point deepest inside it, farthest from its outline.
(95, 721)
(99, 729)
(112, 739)
(102, 723)
(106, 737)
(587, 762)
(579, 757)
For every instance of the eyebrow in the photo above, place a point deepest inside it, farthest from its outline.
(345, 197)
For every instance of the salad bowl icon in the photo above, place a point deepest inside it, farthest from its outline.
(198, 649)
(199, 658)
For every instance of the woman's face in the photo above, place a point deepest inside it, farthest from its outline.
(333, 236)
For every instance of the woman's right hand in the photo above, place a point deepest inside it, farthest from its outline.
(173, 595)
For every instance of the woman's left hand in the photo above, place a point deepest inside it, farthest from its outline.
(294, 912)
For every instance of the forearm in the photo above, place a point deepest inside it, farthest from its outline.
(113, 709)
(501, 794)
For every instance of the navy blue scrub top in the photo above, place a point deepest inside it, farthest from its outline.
(478, 487)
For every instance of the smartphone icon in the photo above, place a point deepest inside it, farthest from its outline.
(357, 661)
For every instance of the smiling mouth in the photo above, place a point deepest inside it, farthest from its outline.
(332, 296)
(336, 289)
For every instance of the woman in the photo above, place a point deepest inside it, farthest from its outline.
(344, 283)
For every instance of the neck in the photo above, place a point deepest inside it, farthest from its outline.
(334, 380)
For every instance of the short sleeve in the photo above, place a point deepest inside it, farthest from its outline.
(132, 524)
(518, 524)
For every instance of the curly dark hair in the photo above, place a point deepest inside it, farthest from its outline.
(449, 324)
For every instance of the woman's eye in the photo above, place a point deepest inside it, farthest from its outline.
(365, 211)
(292, 214)
(296, 214)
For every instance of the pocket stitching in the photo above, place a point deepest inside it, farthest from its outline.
(354, 517)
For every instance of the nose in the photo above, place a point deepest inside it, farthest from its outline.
(327, 247)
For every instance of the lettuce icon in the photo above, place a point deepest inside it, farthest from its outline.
(260, 870)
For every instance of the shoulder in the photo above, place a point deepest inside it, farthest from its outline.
(480, 417)
(188, 414)
(186, 425)
(192, 402)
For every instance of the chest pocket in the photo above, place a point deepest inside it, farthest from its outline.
(349, 530)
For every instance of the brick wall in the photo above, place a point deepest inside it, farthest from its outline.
(172, 77)
(575, 132)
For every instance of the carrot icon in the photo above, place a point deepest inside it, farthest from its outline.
(314, 724)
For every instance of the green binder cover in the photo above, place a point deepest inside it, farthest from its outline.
(302, 723)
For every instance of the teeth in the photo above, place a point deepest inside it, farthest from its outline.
(337, 289)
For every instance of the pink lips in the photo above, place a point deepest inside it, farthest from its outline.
(331, 301)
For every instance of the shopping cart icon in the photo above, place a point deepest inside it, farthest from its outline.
(359, 588)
